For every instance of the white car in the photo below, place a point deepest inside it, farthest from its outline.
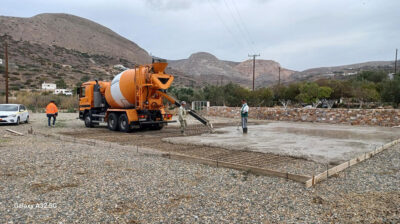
(13, 114)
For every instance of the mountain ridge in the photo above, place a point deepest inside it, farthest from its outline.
(73, 32)
(206, 64)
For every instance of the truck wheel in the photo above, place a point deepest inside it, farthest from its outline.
(112, 122)
(88, 121)
(123, 123)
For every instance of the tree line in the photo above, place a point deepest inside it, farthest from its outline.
(357, 90)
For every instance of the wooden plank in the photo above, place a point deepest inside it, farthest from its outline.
(334, 170)
(255, 170)
(309, 183)
(330, 172)
(15, 132)
(263, 171)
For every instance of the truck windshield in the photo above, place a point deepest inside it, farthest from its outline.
(5, 107)
(83, 91)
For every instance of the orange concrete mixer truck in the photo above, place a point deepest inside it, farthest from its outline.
(132, 100)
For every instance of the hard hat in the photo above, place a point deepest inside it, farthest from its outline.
(183, 102)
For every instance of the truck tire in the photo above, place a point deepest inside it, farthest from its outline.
(112, 122)
(88, 120)
(123, 123)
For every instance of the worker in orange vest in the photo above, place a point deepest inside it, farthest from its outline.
(51, 112)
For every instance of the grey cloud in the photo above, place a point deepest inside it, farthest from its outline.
(169, 4)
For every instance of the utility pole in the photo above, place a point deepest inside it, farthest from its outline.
(6, 72)
(254, 65)
(395, 63)
(279, 80)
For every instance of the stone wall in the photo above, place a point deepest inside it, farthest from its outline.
(373, 117)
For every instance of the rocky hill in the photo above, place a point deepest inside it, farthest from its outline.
(343, 71)
(203, 63)
(50, 53)
(215, 71)
(31, 64)
(73, 32)
(211, 70)
(208, 68)
(266, 73)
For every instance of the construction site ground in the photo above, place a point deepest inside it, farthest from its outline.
(289, 147)
(299, 148)
(319, 142)
(136, 187)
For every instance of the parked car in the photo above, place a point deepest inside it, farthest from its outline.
(13, 114)
(308, 107)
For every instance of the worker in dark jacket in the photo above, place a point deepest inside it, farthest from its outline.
(244, 113)
(51, 112)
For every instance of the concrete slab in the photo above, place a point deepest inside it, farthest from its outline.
(325, 143)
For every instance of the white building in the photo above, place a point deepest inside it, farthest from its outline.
(351, 73)
(120, 67)
(66, 92)
(49, 86)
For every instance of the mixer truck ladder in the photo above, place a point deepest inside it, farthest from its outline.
(193, 113)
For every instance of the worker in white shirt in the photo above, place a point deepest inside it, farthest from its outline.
(182, 117)
(244, 113)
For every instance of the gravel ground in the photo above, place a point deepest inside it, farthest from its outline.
(46, 180)
(155, 140)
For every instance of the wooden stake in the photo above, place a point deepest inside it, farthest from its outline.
(15, 132)
(327, 174)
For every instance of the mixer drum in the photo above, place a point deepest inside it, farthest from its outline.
(121, 93)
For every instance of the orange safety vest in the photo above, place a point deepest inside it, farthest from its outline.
(51, 108)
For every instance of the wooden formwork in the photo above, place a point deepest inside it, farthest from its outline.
(334, 170)
(308, 181)
(251, 169)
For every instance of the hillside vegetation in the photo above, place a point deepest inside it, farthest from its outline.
(367, 89)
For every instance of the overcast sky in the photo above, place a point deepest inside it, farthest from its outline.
(298, 34)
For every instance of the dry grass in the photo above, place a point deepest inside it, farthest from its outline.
(37, 101)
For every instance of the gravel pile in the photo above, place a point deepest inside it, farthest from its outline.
(46, 180)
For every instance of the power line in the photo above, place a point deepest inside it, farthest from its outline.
(223, 22)
(6, 66)
(242, 22)
(239, 28)
(279, 80)
(243, 33)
